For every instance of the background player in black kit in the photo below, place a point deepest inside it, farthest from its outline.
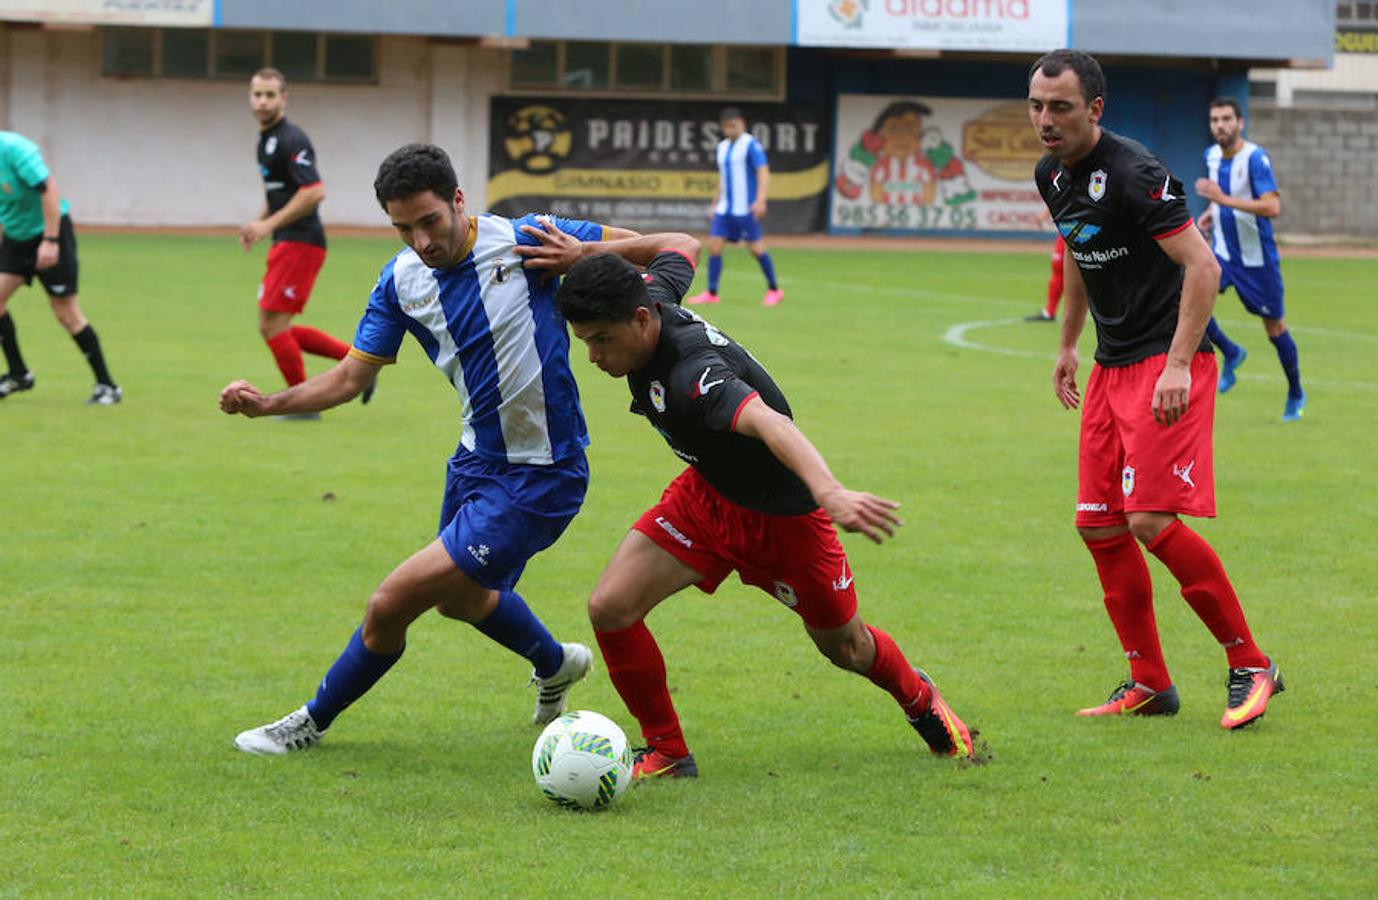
(292, 192)
(757, 497)
(1146, 427)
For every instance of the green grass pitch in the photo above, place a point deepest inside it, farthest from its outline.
(170, 575)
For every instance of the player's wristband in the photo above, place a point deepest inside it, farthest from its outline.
(51, 239)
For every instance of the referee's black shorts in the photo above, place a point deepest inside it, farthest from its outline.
(21, 258)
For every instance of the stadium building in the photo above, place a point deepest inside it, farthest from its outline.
(892, 116)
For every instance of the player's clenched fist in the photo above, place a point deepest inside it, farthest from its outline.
(241, 397)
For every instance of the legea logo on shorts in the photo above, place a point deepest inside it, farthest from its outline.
(1093, 507)
(673, 532)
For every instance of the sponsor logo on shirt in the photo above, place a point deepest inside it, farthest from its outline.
(1097, 257)
(1077, 231)
(1056, 177)
(1096, 189)
(410, 306)
(303, 158)
(704, 386)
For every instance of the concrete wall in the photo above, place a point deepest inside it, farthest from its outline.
(1326, 162)
(181, 152)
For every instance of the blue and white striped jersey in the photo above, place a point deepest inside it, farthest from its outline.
(1243, 238)
(494, 331)
(737, 164)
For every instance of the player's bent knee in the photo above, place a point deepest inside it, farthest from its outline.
(610, 611)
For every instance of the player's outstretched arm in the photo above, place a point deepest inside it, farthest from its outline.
(1074, 306)
(340, 384)
(851, 510)
(557, 251)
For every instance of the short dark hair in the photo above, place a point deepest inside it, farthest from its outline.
(601, 288)
(1231, 102)
(412, 169)
(731, 112)
(899, 108)
(270, 72)
(1084, 64)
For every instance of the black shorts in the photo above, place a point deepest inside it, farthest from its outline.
(20, 258)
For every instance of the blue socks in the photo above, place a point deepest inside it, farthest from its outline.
(768, 268)
(1217, 336)
(357, 670)
(1287, 355)
(714, 273)
(515, 626)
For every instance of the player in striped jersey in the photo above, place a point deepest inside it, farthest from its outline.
(1244, 201)
(743, 180)
(519, 473)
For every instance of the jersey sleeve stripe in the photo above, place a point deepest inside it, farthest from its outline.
(741, 406)
(370, 358)
(686, 256)
(1180, 228)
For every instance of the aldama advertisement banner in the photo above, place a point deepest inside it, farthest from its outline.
(648, 165)
(931, 164)
(1013, 25)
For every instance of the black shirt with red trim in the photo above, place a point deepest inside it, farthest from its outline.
(1112, 208)
(693, 390)
(287, 162)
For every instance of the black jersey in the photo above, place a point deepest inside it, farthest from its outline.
(1111, 209)
(694, 388)
(287, 162)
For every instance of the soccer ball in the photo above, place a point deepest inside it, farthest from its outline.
(582, 760)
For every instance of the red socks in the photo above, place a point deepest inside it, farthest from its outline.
(1207, 589)
(318, 343)
(892, 672)
(1054, 288)
(1129, 601)
(288, 345)
(637, 670)
(287, 352)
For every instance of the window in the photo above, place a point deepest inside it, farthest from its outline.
(239, 53)
(640, 67)
(128, 51)
(648, 69)
(691, 67)
(212, 53)
(297, 55)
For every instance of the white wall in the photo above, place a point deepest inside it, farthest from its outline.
(181, 153)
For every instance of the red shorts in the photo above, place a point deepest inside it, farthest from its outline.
(796, 559)
(292, 270)
(1130, 463)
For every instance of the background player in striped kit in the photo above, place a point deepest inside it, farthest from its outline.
(743, 181)
(1244, 201)
(519, 474)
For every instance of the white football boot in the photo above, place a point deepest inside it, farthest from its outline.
(294, 731)
(552, 692)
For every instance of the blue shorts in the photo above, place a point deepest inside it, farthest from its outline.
(496, 516)
(735, 228)
(1258, 287)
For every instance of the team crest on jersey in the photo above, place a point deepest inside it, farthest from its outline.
(501, 273)
(1097, 186)
(785, 594)
(658, 396)
(1127, 480)
(270, 145)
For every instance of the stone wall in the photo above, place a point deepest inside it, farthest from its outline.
(1326, 161)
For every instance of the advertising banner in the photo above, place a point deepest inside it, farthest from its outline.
(1015, 25)
(935, 164)
(183, 13)
(648, 164)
